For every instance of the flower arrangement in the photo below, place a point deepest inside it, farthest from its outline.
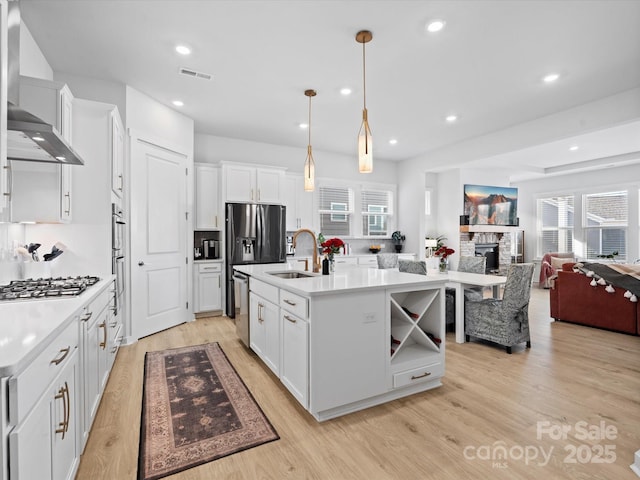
(330, 247)
(398, 237)
(444, 252)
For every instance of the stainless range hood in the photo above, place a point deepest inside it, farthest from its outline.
(29, 137)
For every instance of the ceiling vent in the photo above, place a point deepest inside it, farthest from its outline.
(192, 73)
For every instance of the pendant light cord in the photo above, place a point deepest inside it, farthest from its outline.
(364, 75)
(309, 120)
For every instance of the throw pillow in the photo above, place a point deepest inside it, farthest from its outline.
(557, 262)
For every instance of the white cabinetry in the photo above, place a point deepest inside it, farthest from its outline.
(4, 187)
(294, 371)
(51, 427)
(244, 183)
(264, 323)
(41, 192)
(298, 202)
(207, 287)
(117, 154)
(95, 320)
(207, 197)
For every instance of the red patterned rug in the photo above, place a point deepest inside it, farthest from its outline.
(195, 409)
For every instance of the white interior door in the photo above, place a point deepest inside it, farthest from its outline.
(158, 238)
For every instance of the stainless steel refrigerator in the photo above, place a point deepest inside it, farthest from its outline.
(254, 234)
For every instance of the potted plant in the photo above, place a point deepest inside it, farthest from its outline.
(398, 239)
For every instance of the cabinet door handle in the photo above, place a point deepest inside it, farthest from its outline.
(103, 343)
(9, 182)
(425, 374)
(292, 320)
(121, 187)
(68, 210)
(219, 282)
(252, 194)
(258, 194)
(216, 221)
(58, 360)
(63, 393)
(289, 302)
(260, 319)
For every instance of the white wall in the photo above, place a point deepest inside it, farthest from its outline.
(213, 149)
(148, 116)
(32, 62)
(586, 182)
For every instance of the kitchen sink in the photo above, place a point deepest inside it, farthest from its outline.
(292, 274)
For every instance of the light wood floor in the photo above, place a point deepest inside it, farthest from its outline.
(488, 399)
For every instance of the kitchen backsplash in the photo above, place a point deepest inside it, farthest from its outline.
(11, 237)
(359, 246)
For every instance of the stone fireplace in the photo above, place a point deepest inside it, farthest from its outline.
(492, 241)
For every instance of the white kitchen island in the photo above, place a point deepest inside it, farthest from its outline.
(328, 338)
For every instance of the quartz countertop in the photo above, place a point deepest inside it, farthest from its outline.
(345, 279)
(27, 326)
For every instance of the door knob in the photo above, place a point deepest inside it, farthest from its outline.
(140, 263)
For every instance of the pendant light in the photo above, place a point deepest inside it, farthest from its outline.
(309, 164)
(365, 144)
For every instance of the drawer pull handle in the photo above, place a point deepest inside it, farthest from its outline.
(289, 302)
(63, 394)
(58, 360)
(103, 343)
(425, 374)
(292, 320)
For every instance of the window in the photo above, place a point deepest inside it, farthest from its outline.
(605, 222)
(556, 216)
(336, 210)
(376, 209)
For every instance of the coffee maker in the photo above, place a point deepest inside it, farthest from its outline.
(211, 248)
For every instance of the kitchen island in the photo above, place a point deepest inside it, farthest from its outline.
(350, 340)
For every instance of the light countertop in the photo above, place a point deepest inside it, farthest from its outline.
(345, 279)
(27, 326)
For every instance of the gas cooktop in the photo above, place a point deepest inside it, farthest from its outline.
(31, 289)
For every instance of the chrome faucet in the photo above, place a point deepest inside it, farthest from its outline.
(316, 260)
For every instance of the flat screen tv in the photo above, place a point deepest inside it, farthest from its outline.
(488, 205)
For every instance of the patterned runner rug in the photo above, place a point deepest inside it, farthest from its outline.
(195, 409)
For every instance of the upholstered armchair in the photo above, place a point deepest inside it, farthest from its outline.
(550, 264)
(477, 264)
(506, 321)
(387, 260)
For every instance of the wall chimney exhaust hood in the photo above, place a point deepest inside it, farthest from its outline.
(29, 137)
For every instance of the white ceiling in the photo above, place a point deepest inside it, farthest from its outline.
(485, 66)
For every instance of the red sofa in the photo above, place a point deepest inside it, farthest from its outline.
(573, 299)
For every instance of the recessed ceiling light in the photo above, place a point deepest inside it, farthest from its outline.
(435, 26)
(183, 50)
(550, 78)
(345, 91)
(38, 138)
(573, 148)
(451, 118)
(178, 103)
(393, 141)
(62, 159)
(303, 126)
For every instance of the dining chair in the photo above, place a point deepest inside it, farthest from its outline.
(505, 321)
(413, 266)
(387, 260)
(469, 264)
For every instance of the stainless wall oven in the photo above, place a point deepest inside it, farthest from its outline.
(118, 226)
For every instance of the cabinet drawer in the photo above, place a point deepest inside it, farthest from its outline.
(209, 267)
(418, 375)
(94, 308)
(370, 261)
(268, 292)
(294, 303)
(345, 260)
(27, 387)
